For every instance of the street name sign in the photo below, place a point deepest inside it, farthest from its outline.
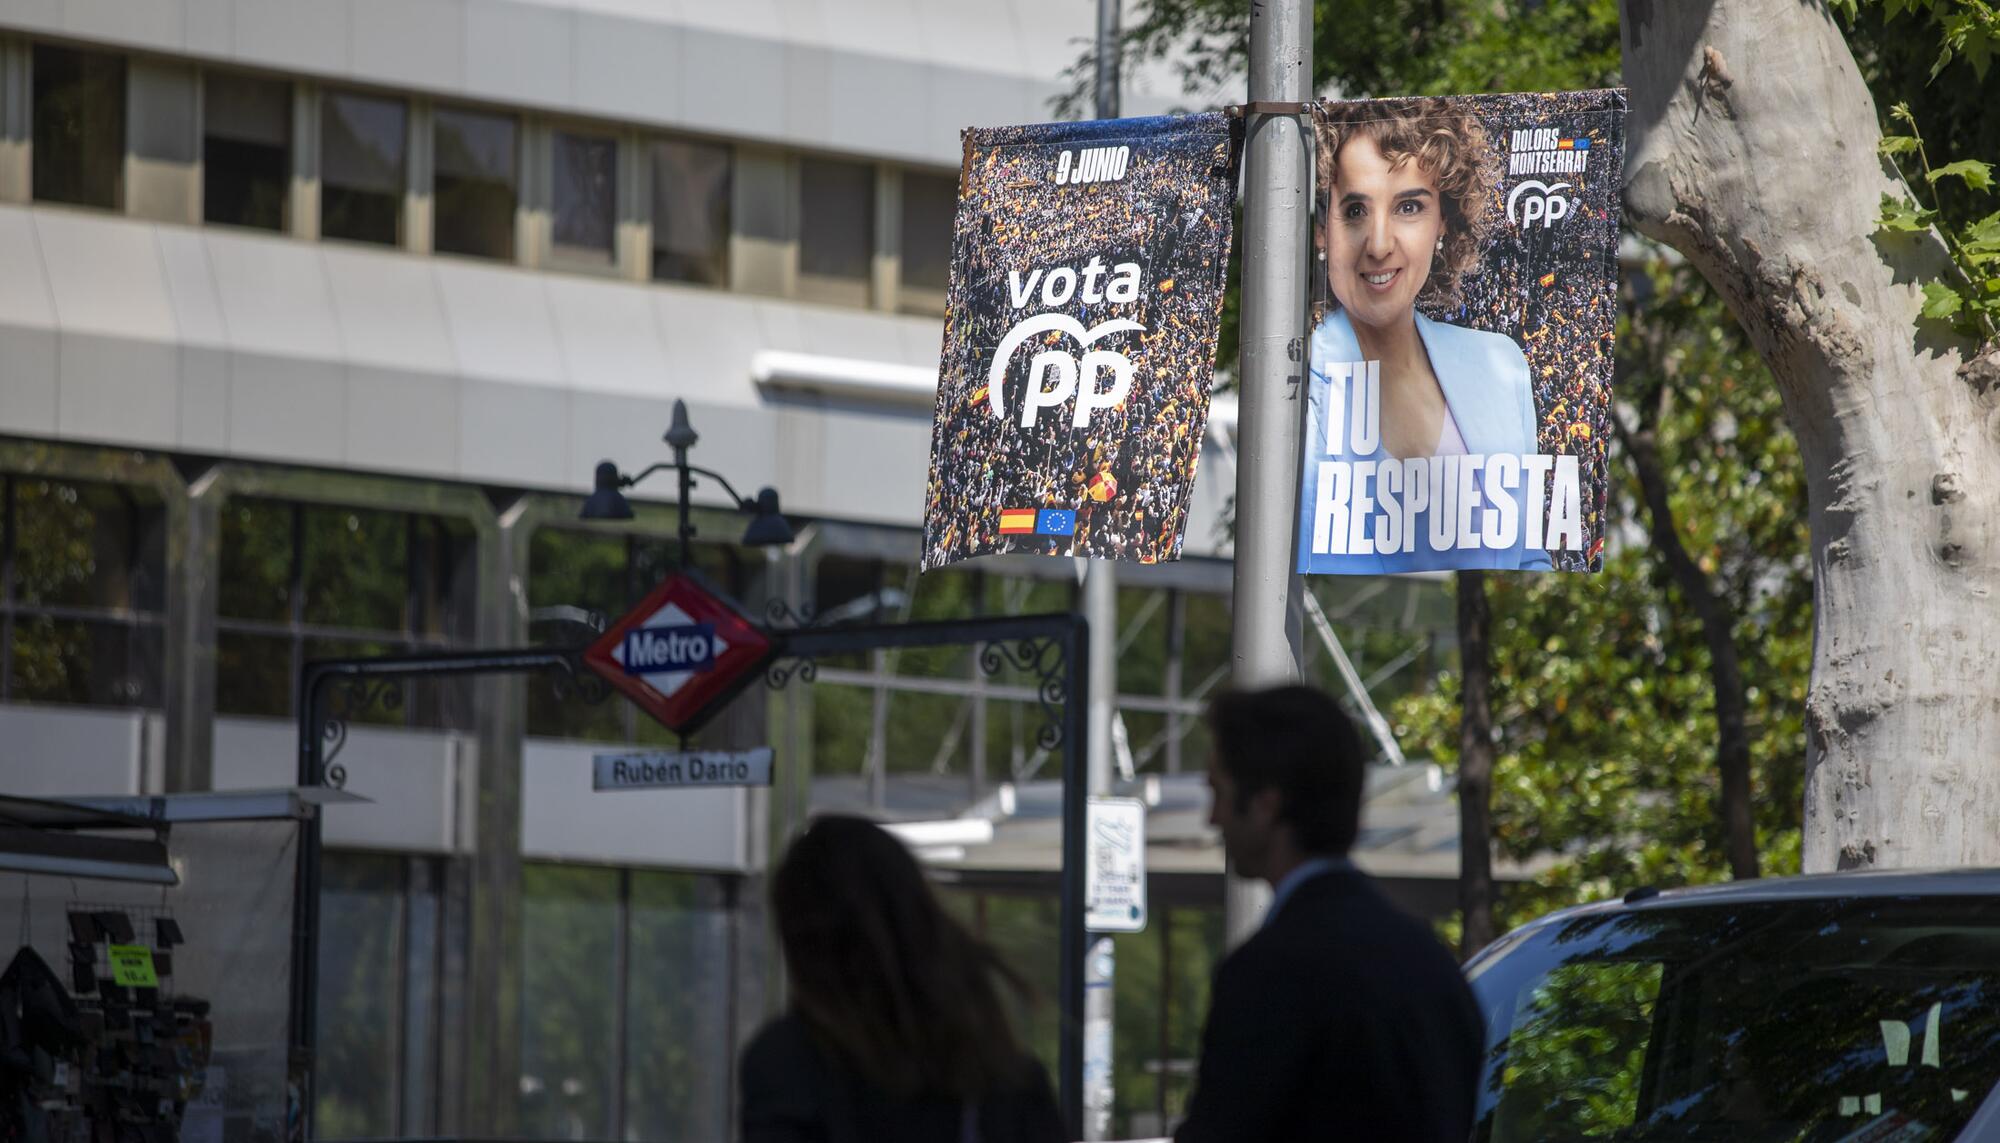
(681, 769)
(681, 654)
(1114, 872)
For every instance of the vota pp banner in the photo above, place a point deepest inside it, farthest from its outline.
(1459, 381)
(1087, 272)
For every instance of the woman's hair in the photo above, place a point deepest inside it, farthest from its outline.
(900, 991)
(1448, 144)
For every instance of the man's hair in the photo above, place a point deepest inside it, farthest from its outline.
(1294, 739)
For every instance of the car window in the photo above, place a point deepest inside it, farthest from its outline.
(1794, 1021)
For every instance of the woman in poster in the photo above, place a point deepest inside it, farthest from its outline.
(1405, 187)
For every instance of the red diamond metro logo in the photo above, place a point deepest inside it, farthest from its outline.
(682, 654)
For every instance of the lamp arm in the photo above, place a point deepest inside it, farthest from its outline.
(629, 481)
(741, 503)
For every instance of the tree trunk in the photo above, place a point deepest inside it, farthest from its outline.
(1754, 154)
(1475, 764)
(1718, 624)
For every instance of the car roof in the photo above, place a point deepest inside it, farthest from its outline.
(1807, 887)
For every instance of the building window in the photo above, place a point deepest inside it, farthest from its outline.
(476, 184)
(364, 143)
(380, 954)
(626, 977)
(691, 212)
(246, 150)
(79, 110)
(586, 197)
(309, 581)
(929, 203)
(836, 231)
(82, 593)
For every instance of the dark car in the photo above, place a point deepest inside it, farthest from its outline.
(1859, 1007)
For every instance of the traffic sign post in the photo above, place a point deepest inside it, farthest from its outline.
(1114, 875)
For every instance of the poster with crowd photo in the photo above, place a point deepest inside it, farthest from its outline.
(1459, 389)
(1087, 272)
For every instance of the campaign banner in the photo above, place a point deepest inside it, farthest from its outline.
(1087, 273)
(1459, 381)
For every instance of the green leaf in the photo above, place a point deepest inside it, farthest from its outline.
(1975, 174)
(1897, 145)
(1944, 58)
(1903, 217)
(1902, 111)
(1896, 8)
(1941, 301)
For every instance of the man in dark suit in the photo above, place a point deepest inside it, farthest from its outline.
(1342, 1018)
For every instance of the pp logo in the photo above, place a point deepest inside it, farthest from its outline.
(1539, 201)
(1068, 369)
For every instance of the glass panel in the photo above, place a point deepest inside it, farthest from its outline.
(836, 230)
(363, 147)
(421, 960)
(586, 572)
(87, 545)
(691, 212)
(253, 674)
(1023, 931)
(1135, 1054)
(356, 568)
(361, 920)
(257, 555)
(79, 108)
(569, 929)
(1755, 1020)
(1142, 640)
(1194, 949)
(474, 184)
(246, 150)
(586, 168)
(841, 718)
(72, 661)
(1207, 646)
(677, 1066)
(929, 735)
(929, 202)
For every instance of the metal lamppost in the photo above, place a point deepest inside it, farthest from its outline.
(607, 500)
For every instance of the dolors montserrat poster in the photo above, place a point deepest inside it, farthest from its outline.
(1087, 274)
(1461, 353)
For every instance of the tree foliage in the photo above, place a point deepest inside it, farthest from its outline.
(1605, 712)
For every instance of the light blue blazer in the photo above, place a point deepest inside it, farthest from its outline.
(1488, 390)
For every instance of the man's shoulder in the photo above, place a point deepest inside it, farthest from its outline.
(1348, 911)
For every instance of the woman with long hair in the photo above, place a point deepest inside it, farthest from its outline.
(896, 1028)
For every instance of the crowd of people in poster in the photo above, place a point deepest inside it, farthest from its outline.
(1086, 288)
(1460, 351)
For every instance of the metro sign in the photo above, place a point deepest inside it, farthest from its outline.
(681, 654)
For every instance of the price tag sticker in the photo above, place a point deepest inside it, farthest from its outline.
(132, 966)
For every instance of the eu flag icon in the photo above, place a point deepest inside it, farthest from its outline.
(1055, 522)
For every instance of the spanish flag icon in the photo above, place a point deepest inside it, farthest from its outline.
(1017, 521)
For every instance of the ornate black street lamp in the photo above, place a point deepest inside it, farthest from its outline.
(607, 501)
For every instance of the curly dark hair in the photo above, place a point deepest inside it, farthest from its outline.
(1448, 144)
